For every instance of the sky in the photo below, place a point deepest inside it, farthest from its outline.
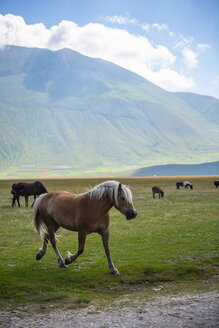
(172, 43)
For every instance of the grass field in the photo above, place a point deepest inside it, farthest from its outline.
(171, 247)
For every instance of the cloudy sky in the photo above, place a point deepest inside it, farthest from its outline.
(172, 43)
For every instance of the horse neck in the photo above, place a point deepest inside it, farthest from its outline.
(103, 205)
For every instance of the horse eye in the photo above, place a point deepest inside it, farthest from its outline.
(122, 198)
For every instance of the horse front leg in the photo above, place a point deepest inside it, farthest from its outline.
(26, 201)
(81, 241)
(18, 197)
(105, 239)
(33, 200)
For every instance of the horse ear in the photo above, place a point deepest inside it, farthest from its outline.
(120, 187)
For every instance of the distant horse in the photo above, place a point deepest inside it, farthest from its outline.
(27, 189)
(157, 190)
(216, 183)
(85, 213)
(185, 184)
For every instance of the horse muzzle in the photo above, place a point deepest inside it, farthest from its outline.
(130, 214)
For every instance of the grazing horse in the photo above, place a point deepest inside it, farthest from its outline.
(85, 213)
(27, 189)
(216, 183)
(157, 190)
(185, 184)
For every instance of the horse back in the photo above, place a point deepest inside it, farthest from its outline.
(156, 189)
(18, 186)
(21, 189)
(73, 212)
(28, 189)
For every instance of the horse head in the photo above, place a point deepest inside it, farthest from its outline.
(124, 202)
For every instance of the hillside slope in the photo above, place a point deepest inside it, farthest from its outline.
(179, 170)
(60, 107)
(206, 105)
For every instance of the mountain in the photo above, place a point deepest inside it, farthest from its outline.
(63, 108)
(179, 170)
(207, 106)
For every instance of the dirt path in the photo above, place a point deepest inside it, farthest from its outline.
(175, 312)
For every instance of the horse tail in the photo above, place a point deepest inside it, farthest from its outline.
(38, 220)
(18, 186)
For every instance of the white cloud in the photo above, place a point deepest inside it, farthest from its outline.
(171, 34)
(121, 20)
(184, 42)
(126, 19)
(146, 27)
(190, 58)
(172, 81)
(160, 27)
(202, 47)
(133, 52)
(14, 30)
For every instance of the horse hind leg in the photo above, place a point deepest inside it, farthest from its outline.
(49, 235)
(52, 228)
(81, 241)
(42, 251)
(58, 255)
(43, 232)
(13, 201)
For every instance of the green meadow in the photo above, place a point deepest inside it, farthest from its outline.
(171, 247)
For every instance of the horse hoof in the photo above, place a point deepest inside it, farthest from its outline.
(115, 272)
(67, 261)
(39, 255)
(63, 265)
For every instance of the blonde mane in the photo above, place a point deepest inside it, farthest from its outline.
(110, 189)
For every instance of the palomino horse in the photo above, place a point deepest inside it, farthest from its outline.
(157, 190)
(85, 213)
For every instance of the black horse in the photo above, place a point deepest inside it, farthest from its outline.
(157, 190)
(185, 184)
(216, 183)
(27, 189)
